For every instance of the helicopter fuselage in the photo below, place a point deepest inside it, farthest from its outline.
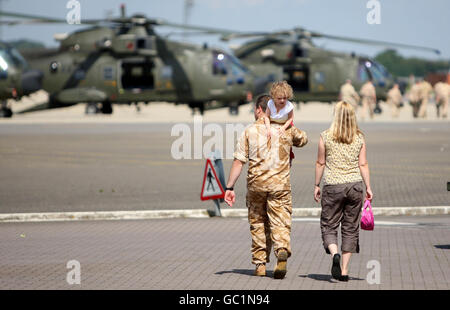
(134, 68)
(315, 74)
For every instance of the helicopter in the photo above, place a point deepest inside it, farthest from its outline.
(123, 61)
(16, 77)
(315, 74)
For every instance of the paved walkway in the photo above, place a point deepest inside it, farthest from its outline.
(192, 254)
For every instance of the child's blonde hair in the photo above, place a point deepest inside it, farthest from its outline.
(344, 127)
(281, 88)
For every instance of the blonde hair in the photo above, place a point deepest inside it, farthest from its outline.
(281, 88)
(344, 127)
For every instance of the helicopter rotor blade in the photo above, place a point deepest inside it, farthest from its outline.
(32, 17)
(35, 19)
(240, 35)
(303, 33)
(135, 19)
(372, 42)
(203, 29)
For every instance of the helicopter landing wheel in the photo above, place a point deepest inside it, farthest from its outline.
(377, 109)
(6, 112)
(200, 106)
(91, 108)
(107, 108)
(233, 108)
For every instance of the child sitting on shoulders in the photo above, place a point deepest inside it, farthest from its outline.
(279, 109)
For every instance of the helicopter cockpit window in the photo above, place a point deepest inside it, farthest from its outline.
(236, 66)
(363, 75)
(3, 61)
(225, 63)
(383, 70)
(3, 67)
(17, 59)
(377, 74)
(219, 64)
(11, 57)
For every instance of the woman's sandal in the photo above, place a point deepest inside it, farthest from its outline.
(336, 268)
(343, 278)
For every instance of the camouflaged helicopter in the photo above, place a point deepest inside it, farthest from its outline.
(123, 61)
(16, 78)
(314, 73)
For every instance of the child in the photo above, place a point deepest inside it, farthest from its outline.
(279, 109)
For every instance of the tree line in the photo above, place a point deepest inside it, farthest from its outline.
(399, 66)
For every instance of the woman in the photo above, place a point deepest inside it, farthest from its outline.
(342, 154)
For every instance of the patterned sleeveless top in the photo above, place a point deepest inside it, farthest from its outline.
(341, 160)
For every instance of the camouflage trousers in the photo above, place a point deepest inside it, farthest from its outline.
(394, 108)
(368, 107)
(423, 108)
(415, 106)
(442, 107)
(270, 218)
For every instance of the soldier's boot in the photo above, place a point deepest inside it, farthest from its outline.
(260, 270)
(280, 270)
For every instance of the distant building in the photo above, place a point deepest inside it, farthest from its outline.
(433, 78)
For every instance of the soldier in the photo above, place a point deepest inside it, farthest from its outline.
(442, 91)
(269, 199)
(369, 99)
(414, 98)
(348, 94)
(394, 99)
(425, 90)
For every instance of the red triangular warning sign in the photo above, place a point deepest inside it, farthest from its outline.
(211, 187)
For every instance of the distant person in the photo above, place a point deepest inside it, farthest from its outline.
(280, 110)
(414, 98)
(442, 91)
(349, 94)
(411, 82)
(369, 99)
(342, 154)
(425, 91)
(269, 198)
(394, 100)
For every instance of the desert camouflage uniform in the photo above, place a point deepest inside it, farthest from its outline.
(425, 90)
(349, 95)
(369, 98)
(394, 98)
(442, 91)
(269, 198)
(414, 98)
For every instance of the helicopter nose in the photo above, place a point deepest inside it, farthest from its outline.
(31, 81)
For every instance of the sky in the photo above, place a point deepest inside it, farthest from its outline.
(415, 22)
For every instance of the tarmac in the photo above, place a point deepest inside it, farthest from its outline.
(114, 167)
(401, 253)
(104, 192)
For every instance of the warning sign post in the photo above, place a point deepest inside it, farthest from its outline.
(211, 186)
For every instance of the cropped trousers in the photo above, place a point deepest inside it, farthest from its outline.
(341, 206)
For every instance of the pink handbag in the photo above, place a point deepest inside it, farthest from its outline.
(367, 220)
